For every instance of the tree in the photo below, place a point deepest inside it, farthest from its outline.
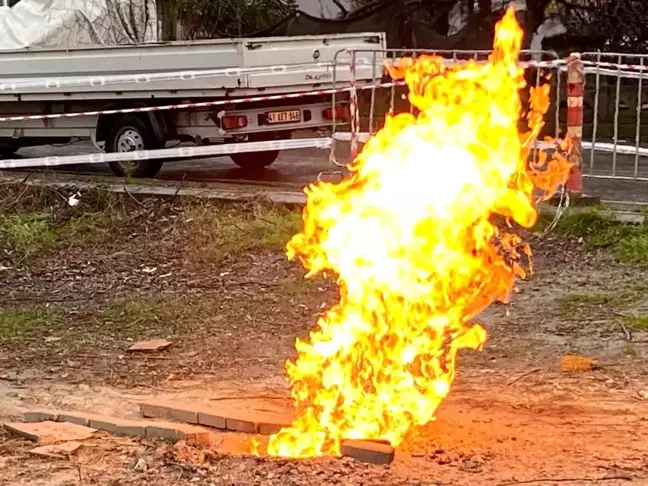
(207, 19)
(621, 25)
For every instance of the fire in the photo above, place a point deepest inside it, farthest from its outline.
(410, 237)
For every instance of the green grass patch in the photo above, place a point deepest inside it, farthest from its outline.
(599, 230)
(29, 323)
(116, 321)
(225, 231)
(639, 323)
(570, 301)
(26, 234)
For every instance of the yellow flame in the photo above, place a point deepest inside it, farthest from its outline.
(411, 239)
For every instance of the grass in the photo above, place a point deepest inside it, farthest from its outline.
(613, 299)
(134, 318)
(571, 302)
(598, 230)
(34, 221)
(224, 231)
(28, 323)
(638, 323)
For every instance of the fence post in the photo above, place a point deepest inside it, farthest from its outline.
(575, 94)
(353, 108)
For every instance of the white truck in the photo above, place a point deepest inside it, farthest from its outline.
(48, 81)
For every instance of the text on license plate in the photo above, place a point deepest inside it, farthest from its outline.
(284, 116)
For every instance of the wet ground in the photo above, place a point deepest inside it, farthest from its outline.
(613, 181)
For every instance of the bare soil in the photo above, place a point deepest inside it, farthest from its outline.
(77, 292)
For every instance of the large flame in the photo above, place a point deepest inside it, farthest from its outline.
(411, 239)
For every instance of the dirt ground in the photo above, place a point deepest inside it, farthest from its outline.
(79, 285)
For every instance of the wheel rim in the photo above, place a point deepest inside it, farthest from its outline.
(129, 140)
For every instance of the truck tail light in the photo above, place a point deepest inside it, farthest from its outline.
(232, 122)
(341, 113)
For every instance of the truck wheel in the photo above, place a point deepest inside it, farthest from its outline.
(257, 161)
(128, 134)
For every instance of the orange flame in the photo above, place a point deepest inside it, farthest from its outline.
(409, 235)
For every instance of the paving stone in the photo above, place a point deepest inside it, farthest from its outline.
(270, 428)
(164, 409)
(241, 425)
(211, 420)
(31, 416)
(193, 435)
(157, 409)
(173, 431)
(367, 451)
(163, 430)
(50, 432)
(78, 418)
(114, 425)
(108, 424)
(151, 346)
(270, 424)
(237, 419)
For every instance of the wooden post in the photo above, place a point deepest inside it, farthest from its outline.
(575, 93)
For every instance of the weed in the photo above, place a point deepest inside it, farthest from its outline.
(598, 230)
(224, 231)
(22, 234)
(639, 323)
(628, 350)
(19, 324)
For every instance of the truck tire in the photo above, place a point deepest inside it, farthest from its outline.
(257, 161)
(127, 134)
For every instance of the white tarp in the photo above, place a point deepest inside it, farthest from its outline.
(77, 23)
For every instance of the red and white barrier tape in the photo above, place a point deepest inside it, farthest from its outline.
(198, 104)
(617, 73)
(168, 153)
(363, 137)
(625, 67)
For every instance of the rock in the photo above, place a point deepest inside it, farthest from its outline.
(367, 451)
(141, 466)
(151, 346)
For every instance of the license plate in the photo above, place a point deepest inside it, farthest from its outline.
(284, 116)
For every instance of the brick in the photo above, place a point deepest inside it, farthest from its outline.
(172, 431)
(184, 415)
(155, 410)
(271, 428)
(132, 429)
(241, 425)
(107, 424)
(152, 346)
(367, 451)
(163, 430)
(236, 419)
(166, 410)
(31, 416)
(211, 420)
(77, 418)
